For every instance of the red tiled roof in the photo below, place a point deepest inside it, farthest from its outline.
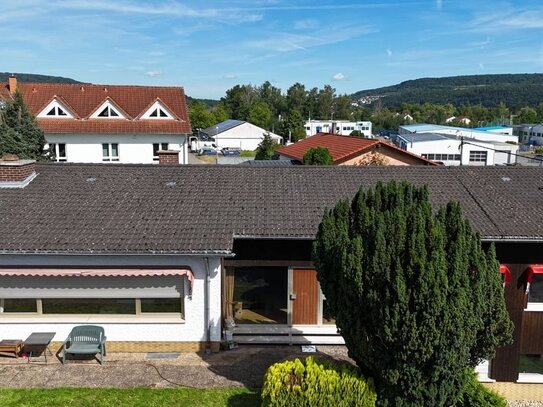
(114, 126)
(83, 99)
(341, 148)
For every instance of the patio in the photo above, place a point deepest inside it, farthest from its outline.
(244, 366)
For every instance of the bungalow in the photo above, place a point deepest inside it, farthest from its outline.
(166, 257)
(350, 150)
(107, 123)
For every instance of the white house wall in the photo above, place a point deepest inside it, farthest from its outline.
(131, 328)
(246, 136)
(452, 146)
(133, 148)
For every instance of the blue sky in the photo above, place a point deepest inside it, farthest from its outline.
(210, 46)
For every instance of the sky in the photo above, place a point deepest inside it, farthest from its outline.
(210, 46)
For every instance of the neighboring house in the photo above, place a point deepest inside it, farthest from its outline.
(529, 133)
(107, 123)
(341, 127)
(452, 150)
(482, 135)
(458, 119)
(162, 256)
(238, 134)
(350, 150)
(502, 129)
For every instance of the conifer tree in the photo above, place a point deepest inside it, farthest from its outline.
(266, 148)
(416, 298)
(19, 131)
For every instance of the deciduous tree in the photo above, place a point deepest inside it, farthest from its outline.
(318, 156)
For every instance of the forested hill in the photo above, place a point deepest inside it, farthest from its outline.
(31, 77)
(488, 90)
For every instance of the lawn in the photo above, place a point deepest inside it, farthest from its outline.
(137, 397)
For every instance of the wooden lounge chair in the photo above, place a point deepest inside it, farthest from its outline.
(85, 340)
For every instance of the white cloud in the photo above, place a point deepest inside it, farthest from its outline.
(389, 52)
(481, 66)
(339, 77)
(229, 76)
(439, 4)
(306, 24)
(153, 74)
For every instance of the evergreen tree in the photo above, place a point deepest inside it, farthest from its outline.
(318, 156)
(266, 148)
(293, 126)
(19, 131)
(416, 298)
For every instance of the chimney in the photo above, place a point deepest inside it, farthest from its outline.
(12, 82)
(168, 157)
(16, 173)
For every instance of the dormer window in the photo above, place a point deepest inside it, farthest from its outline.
(158, 111)
(108, 110)
(56, 109)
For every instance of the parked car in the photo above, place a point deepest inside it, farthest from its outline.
(231, 151)
(209, 150)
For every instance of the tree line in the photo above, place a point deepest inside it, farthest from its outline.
(267, 106)
(285, 113)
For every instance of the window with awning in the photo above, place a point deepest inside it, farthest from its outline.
(534, 284)
(68, 291)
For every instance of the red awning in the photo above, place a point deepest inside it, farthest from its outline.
(534, 269)
(506, 274)
(89, 272)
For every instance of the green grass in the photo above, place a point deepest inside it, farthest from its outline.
(137, 397)
(247, 153)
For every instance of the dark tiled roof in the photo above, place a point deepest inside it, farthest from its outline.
(84, 99)
(136, 208)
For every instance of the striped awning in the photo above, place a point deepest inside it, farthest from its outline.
(97, 272)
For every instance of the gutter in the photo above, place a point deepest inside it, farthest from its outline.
(207, 321)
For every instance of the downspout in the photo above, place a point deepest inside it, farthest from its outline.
(206, 305)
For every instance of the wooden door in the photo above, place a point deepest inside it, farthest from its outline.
(305, 297)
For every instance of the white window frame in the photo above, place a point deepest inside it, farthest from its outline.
(160, 147)
(110, 108)
(56, 150)
(110, 157)
(476, 156)
(158, 108)
(57, 107)
(531, 305)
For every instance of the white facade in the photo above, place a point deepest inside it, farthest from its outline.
(140, 328)
(503, 136)
(131, 148)
(245, 136)
(344, 128)
(453, 151)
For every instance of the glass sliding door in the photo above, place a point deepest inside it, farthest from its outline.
(260, 295)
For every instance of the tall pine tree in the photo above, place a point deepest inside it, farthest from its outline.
(416, 298)
(19, 131)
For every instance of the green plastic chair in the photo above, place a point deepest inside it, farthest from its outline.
(85, 340)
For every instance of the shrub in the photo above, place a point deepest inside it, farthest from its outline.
(539, 150)
(316, 383)
(476, 394)
(318, 156)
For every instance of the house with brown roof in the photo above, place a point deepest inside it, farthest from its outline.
(164, 262)
(350, 150)
(90, 123)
